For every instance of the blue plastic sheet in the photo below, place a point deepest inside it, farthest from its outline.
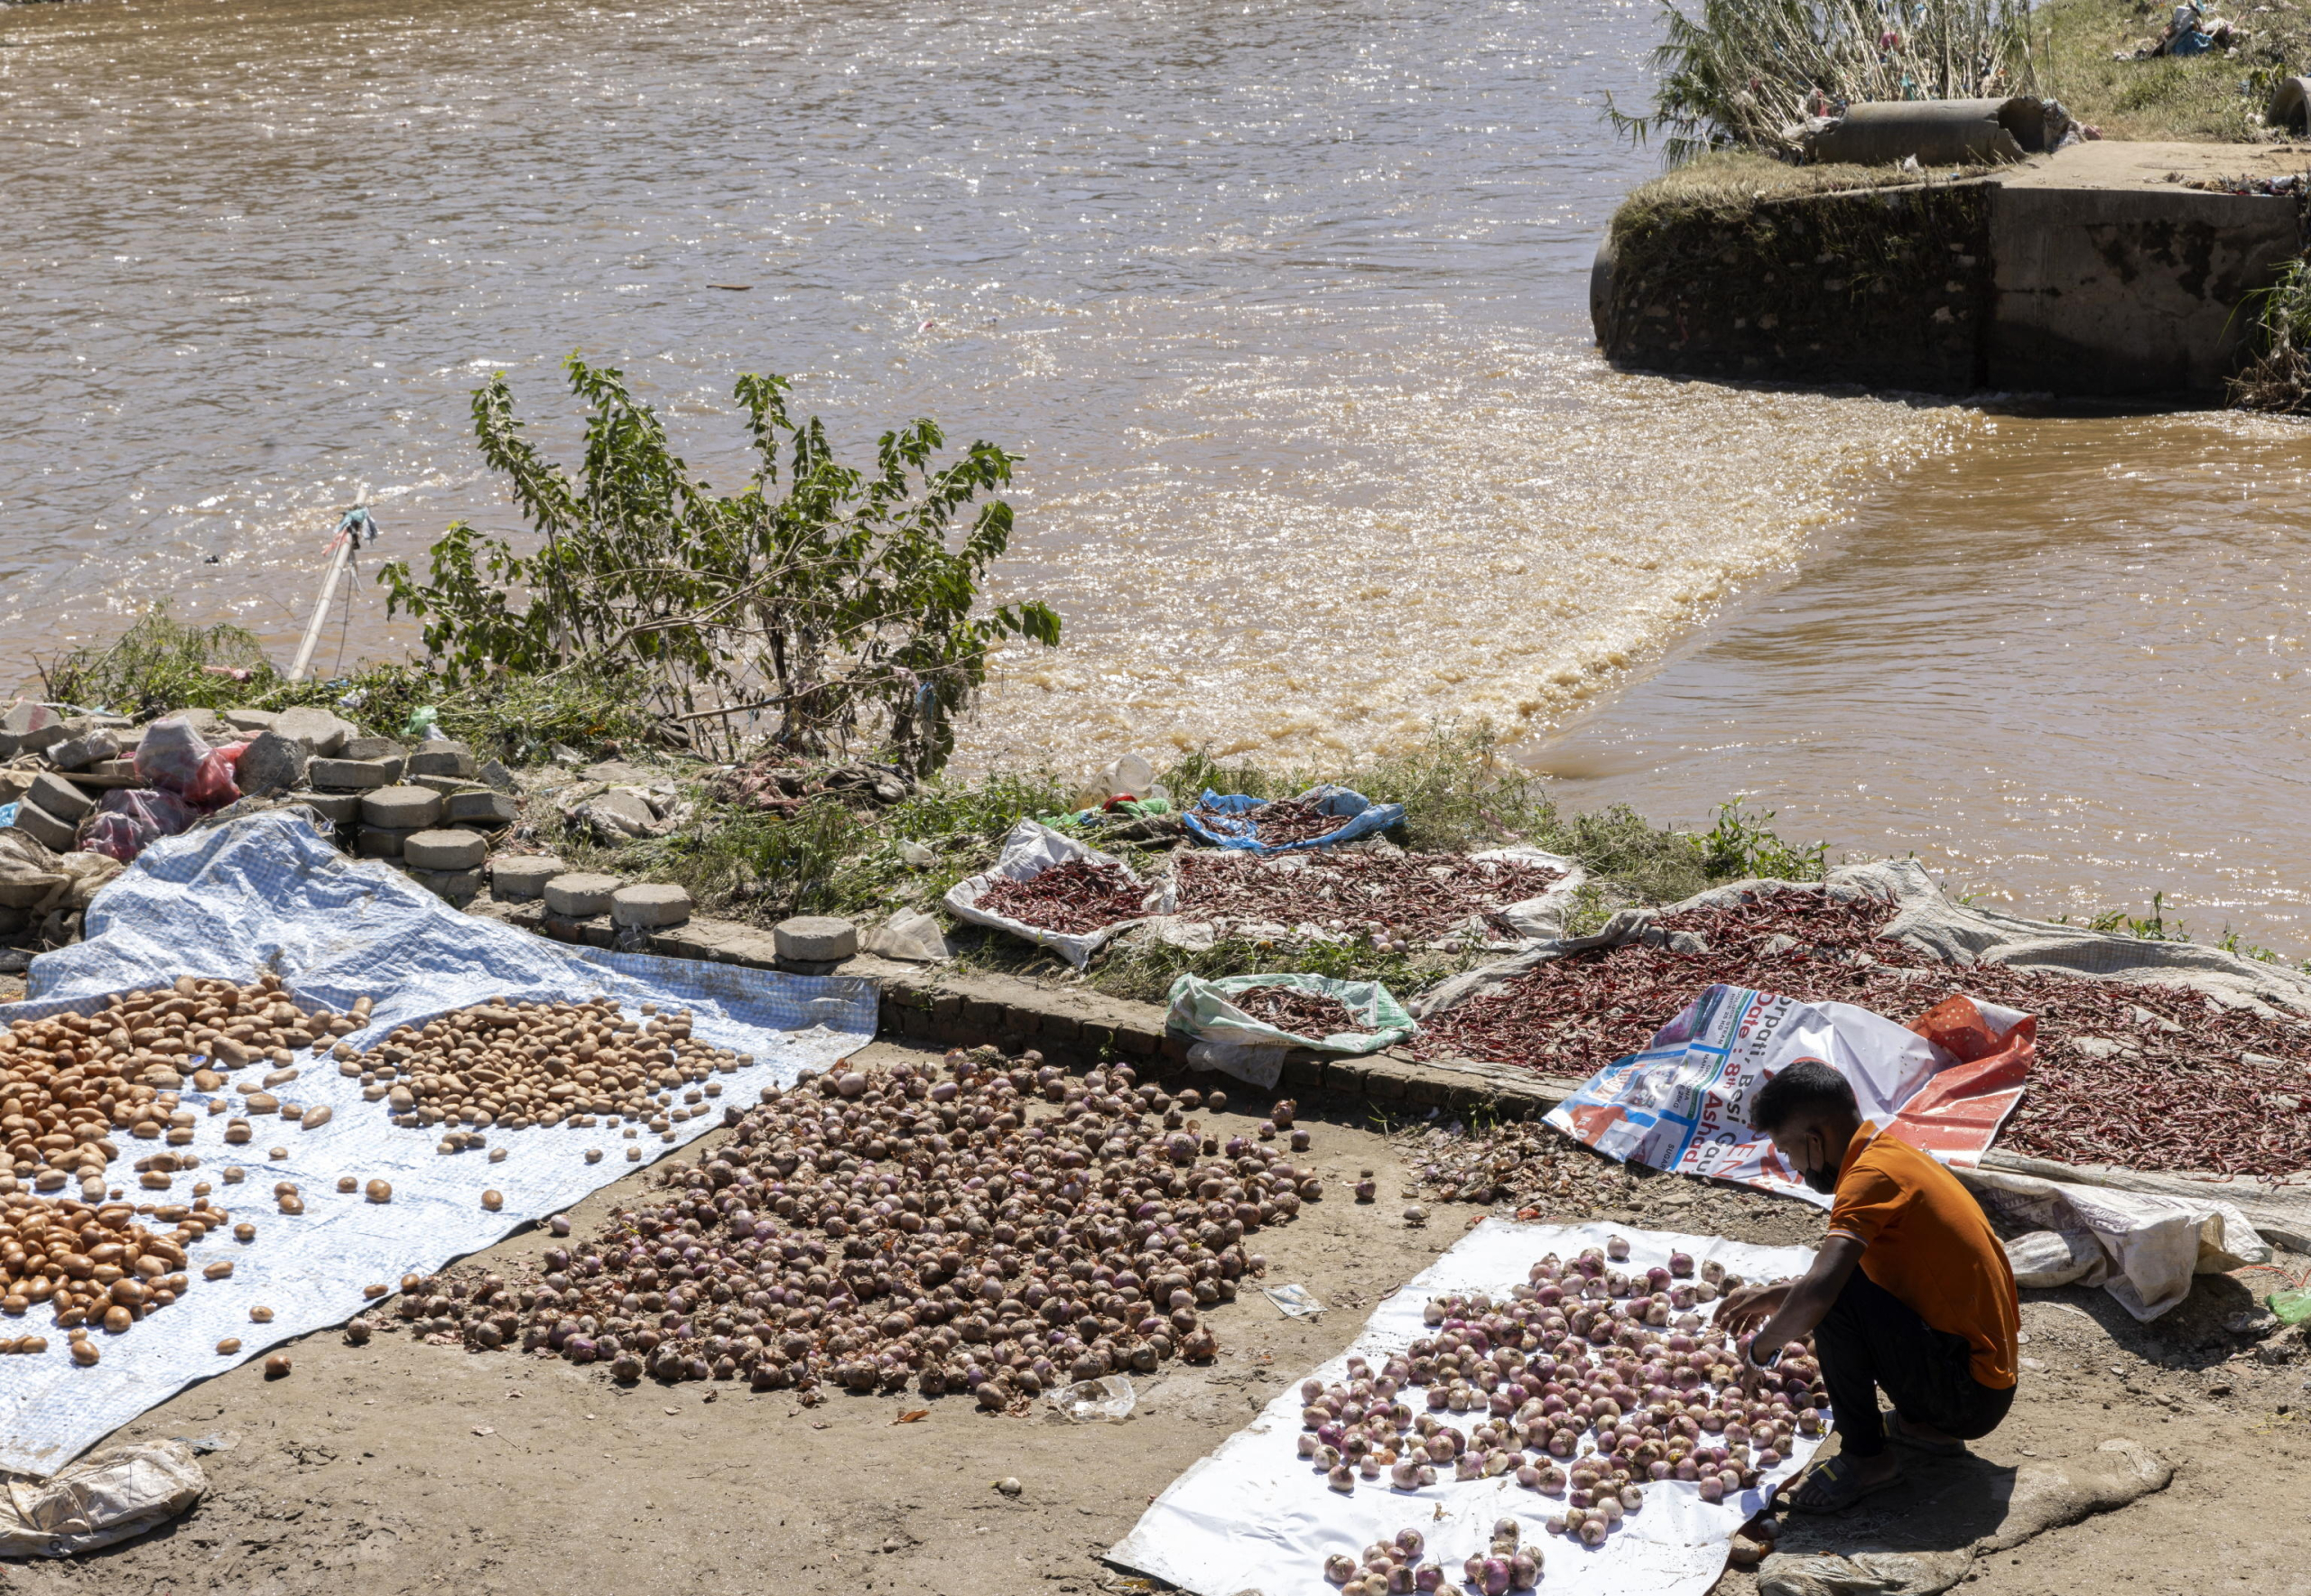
(1215, 819)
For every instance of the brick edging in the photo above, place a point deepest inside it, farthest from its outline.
(1069, 1024)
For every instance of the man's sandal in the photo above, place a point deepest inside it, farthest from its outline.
(1901, 1434)
(1835, 1485)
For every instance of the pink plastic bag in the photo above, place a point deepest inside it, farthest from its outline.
(132, 819)
(212, 785)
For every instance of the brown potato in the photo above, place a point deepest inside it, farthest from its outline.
(492, 1200)
(379, 1192)
(261, 1315)
(219, 1270)
(292, 1205)
(228, 1346)
(276, 1366)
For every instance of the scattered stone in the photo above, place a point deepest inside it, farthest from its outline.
(114, 770)
(444, 850)
(444, 785)
(80, 752)
(519, 878)
(31, 729)
(439, 756)
(317, 729)
(496, 775)
(483, 808)
(58, 836)
(383, 842)
(618, 815)
(270, 763)
(580, 894)
(59, 797)
(206, 725)
(815, 939)
(354, 775)
(411, 809)
(251, 719)
(340, 809)
(459, 888)
(649, 907)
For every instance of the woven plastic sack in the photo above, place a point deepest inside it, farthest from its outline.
(1029, 851)
(107, 1497)
(1221, 819)
(1228, 1039)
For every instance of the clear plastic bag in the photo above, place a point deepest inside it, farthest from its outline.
(213, 785)
(170, 758)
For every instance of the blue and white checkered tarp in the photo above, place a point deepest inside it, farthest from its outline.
(268, 892)
(1229, 820)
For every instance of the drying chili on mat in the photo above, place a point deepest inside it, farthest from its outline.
(1302, 1012)
(1422, 895)
(1287, 819)
(1071, 899)
(2146, 1077)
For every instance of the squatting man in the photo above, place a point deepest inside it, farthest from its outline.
(1910, 1293)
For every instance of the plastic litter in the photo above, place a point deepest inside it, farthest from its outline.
(1107, 1400)
(1294, 1302)
(170, 754)
(422, 722)
(1227, 1038)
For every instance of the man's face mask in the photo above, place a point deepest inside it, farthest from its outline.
(1823, 1176)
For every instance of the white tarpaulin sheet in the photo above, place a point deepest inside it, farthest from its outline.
(268, 892)
(1257, 1519)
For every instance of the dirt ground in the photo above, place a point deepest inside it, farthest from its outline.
(403, 1467)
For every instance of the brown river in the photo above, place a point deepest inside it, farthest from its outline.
(1284, 307)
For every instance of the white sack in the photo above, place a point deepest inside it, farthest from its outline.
(2151, 1244)
(1030, 849)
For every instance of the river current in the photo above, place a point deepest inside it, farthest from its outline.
(1284, 307)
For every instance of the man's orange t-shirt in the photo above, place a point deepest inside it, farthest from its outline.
(1926, 1242)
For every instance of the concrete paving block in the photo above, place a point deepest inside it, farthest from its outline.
(410, 809)
(445, 851)
(459, 888)
(581, 894)
(60, 797)
(251, 720)
(59, 836)
(815, 938)
(383, 842)
(317, 729)
(482, 808)
(39, 739)
(370, 747)
(649, 907)
(340, 809)
(519, 877)
(353, 776)
(438, 756)
(443, 784)
(79, 753)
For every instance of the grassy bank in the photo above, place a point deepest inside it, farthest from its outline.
(2216, 97)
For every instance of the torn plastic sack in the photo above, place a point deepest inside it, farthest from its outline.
(2044, 1259)
(1029, 851)
(39, 882)
(1228, 1039)
(1231, 819)
(130, 820)
(107, 1497)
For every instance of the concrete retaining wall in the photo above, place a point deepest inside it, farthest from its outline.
(2096, 273)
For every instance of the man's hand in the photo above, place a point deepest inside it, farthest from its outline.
(1751, 1306)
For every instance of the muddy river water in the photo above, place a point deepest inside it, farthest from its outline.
(1283, 305)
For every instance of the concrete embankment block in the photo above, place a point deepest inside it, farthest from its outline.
(407, 809)
(521, 877)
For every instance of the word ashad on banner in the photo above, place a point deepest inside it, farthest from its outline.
(1944, 1085)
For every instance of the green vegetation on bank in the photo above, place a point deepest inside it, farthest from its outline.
(2217, 97)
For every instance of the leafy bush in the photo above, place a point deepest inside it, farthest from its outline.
(825, 610)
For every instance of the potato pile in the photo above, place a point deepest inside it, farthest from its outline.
(69, 1080)
(873, 1228)
(512, 1065)
(93, 1266)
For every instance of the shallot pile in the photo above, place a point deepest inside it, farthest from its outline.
(875, 1226)
(512, 1065)
(1390, 1566)
(1392, 897)
(1073, 898)
(68, 1079)
(1587, 1383)
(2148, 1077)
(1527, 1162)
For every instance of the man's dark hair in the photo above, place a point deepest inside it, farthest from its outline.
(1809, 1086)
